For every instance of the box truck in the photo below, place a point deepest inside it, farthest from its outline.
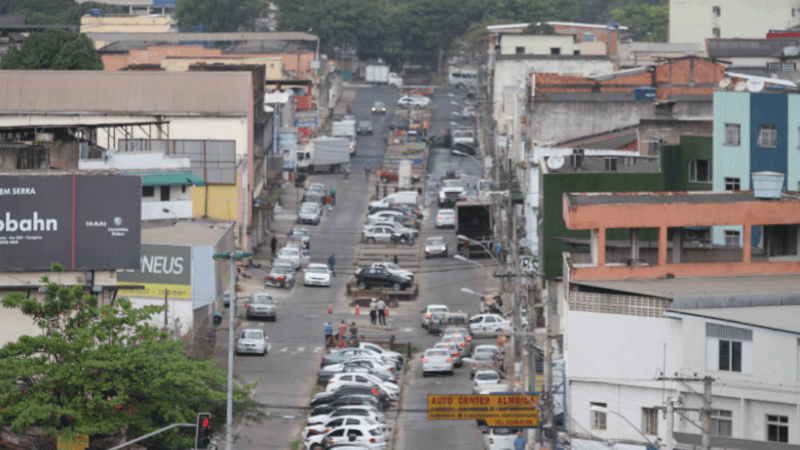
(379, 74)
(324, 154)
(347, 129)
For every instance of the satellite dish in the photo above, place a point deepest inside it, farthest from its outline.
(755, 85)
(740, 86)
(555, 162)
(725, 82)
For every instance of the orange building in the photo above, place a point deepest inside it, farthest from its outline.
(154, 55)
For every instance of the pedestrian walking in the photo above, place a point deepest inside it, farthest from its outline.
(381, 312)
(333, 195)
(328, 333)
(353, 330)
(329, 205)
(347, 170)
(395, 259)
(366, 171)
(331, 264)
(373, 312)
(377, 190)
(273, 244)
(385, 189)
(342, 330)
(519, 442)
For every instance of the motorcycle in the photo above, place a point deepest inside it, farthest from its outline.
(402, 239)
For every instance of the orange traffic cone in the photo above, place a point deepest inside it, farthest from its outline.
(358, 311)
(330, 309)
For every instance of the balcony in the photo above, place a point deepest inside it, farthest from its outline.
(181, 209)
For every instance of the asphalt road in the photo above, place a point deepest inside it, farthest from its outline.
(288, 373)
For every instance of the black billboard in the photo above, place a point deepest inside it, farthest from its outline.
(83, 222)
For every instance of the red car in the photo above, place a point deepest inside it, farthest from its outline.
(392, 175)
(426, 92)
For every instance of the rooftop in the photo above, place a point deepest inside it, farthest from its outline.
(186, 233)
(614, 139)
(128, 92)
(756, 48)
(597, 164)
(660, 198)
(779, 318)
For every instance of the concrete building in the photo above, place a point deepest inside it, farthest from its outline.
(140, 7)
(273, 65)
(638, 54)
(177, 268)
(694, 21)
(226, 111)
(153, 23)
(116, 58)
(14, 30)
(725, 320)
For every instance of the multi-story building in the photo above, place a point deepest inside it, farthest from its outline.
(690, 319)
(140, 7)
(697, 20)
(161, 23)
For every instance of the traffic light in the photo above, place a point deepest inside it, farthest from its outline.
(202, 439)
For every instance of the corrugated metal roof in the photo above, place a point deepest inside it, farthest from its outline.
(53, 92)
(782, 318)
(186, 233)
(757, 48)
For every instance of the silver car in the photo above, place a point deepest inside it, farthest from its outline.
(454, 353)
(309, 213)
(398, 228)
(281, 274)
(437, 360)
(262, 305)
(252, 340)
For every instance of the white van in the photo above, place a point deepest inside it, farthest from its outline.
(463, 78)
(397, 197)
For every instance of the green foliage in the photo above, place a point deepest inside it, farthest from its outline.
(53, 12)
(104, 371)
(220, 15)
(539, 28)
(646, 21)
(54, 49)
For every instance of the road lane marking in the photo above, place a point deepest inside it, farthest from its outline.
(301, 349)
(408, 330)
(284, 349)
(318, 350)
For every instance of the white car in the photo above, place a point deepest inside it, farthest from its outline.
(469, 112)
(461, 347)
(370, 362)
(446, 218)
(346, 354)
(370, 437)
(484, 378)
(437, 360)
(486, 349)
(429, 310)
(392, 268)
(360, 411)
(252, 340)
(333, 424)
(412, 101)
(317, 275)
(291, 254)
(348, 379)
(489, 325)
(305, 254)
(464, 137)
(309, 213)
(452, 347)
(387, 354)
(499, 438)
(382, 216)
(318, 187)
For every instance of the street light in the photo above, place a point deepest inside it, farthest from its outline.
(471, 292)
(233, 257)
(604, 410)
(491, 276)
(461, 237)
(166, 210)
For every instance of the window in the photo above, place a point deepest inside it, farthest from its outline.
(555, 51)
(700, 170)
(778, 429)
(576, 53)
(733, 184)
(599, 418)
(721, 423)
(148, 191)
(654, 147)
(716, 10)
(183, 189)
(520, 50)
(611, 164)
(733, 134)
(728, 348)
(650, 421)
(730, 355)
(732, 238)
(768, 136)
(165, 193)
(788, 67)
(716, 32)
(773, 66)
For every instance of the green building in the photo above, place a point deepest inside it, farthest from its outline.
(676, 169)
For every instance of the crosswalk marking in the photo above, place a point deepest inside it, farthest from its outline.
(318, 350)
(285, 349)
(301, 349)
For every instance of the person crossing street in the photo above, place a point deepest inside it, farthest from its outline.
(342, 331)
(381, 312)
(332, 263)
(373, 312)
(328, 333)
(333, 196)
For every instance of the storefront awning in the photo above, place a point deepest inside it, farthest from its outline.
(171, 179)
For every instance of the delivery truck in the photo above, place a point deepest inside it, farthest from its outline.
(347, 129)
(475, 221)
(379, 74)
(324, 154)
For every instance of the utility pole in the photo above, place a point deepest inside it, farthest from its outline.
(548, 370)
(668, 445)
(166, 308)
(707, 413)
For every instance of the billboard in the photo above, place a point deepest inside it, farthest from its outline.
(164, 269)
(83, 222)
(306, 119)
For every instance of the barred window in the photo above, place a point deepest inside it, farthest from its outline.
(768, 136)
(650, 421)
(733, 134)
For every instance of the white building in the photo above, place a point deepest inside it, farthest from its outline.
(621, 336)
(166, 181)
(694, 21)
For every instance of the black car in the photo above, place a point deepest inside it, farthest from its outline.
(378, 108)
(435, 323)
(460, 148)
(364, 127)
(409, 209)
(408, 221)
(359, 400)
(398, 124)
(370, 277)
(313, 197)
(369, 393)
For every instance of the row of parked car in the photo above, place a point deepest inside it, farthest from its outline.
(360, 384)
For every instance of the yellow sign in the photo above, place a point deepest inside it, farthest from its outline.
(155, 290)
(498, 408)
(79, 442)
(527, 422)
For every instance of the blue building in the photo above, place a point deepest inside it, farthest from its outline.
(753, 132)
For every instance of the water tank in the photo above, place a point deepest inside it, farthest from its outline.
(95, 12)
(768, 184)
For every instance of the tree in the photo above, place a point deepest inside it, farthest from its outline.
(646, 21)
(539, 28)
(536, 10)
(104, 371)
(53, 12)
(220, 15)
(54, 49)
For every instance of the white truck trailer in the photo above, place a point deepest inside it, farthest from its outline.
(324, 154)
